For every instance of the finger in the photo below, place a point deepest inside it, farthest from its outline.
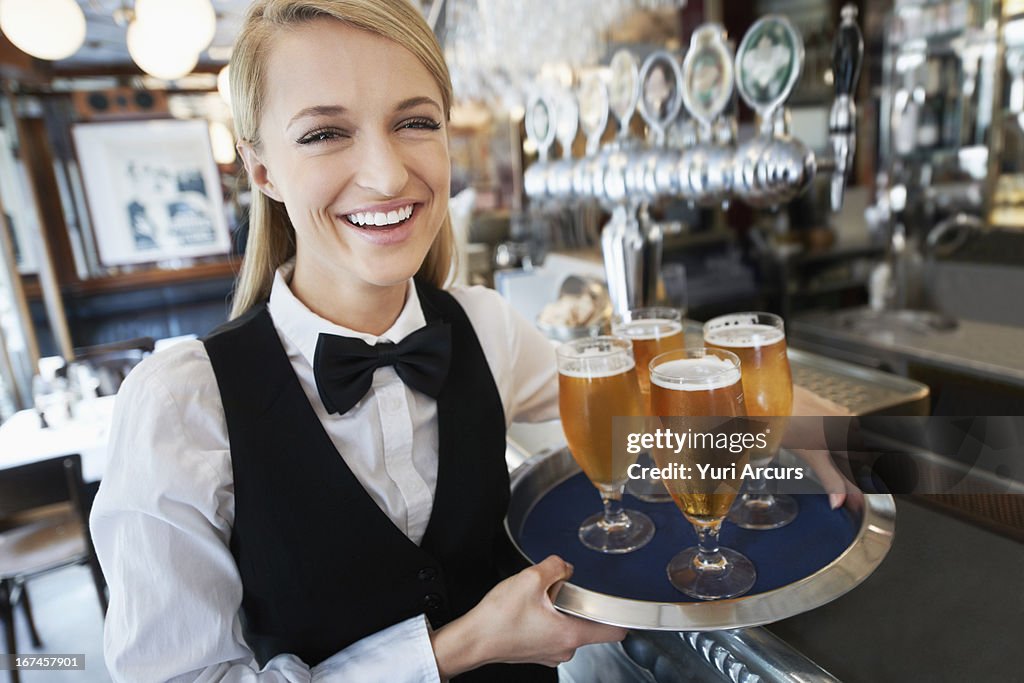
(552, 570)
(831, 479)
(854, 497)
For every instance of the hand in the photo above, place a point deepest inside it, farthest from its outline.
(516, 622)
(814, 449)
(838, 486)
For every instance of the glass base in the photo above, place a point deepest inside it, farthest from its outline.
(763, 511)
(635, 532)
(734, 576)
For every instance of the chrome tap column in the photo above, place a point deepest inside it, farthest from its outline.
(627, 175)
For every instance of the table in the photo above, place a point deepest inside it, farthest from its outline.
(23, 440)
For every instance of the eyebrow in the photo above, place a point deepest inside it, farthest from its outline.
(337, 110)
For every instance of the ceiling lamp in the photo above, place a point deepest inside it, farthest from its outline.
(224, 84)
(159, 53)
(222, 143)
(47, 29)
(192, 23)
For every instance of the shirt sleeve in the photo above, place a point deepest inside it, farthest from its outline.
(161, 525)
(521, 359)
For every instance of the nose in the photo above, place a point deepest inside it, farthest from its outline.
(381, 165)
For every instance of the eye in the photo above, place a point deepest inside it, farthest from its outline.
(320, 136)
(421, 123)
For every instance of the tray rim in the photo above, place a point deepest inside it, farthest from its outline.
(859, 560)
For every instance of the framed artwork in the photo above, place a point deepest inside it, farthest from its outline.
(153, 190)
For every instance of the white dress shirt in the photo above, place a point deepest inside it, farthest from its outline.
(162, 519)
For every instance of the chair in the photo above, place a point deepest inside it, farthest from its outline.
(44, 508)
(112, 362)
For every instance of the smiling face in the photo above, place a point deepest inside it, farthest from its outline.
(353, 141)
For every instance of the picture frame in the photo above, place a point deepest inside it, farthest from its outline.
(153, 190)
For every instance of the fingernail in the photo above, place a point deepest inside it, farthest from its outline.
(835, 500)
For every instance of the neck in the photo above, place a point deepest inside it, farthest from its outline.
(360, 307)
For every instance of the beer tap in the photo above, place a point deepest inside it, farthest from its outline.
(847, 56)
(705, 170)
(622, 243)
(540, 130)
(592, 96)
(772, 167)
(660, 102)
(769, 169)
(560, 175)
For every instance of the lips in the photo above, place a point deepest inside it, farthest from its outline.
(384, 225)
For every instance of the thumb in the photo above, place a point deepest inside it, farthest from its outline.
(552, 570)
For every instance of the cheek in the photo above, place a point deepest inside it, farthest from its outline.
(434, 166)
(311, 187)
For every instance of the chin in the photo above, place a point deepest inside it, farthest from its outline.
(389, 277)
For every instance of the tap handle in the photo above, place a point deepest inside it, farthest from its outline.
(847, 57)
(847, 53)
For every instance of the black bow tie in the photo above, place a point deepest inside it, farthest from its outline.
(343, 366)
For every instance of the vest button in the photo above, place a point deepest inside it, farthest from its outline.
(432, 601)
(427, 574)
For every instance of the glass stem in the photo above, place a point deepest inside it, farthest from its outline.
(708, 557)
(613, 514)
(758, 487)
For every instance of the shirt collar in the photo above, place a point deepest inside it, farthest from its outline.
(302, 327)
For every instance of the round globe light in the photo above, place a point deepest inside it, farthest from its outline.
(192, 23)
(158, 53)
(47, 29)
(222, 142)
(224, 84)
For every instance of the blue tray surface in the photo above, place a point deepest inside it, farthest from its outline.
(782, 556)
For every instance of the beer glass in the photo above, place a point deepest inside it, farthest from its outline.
(596, 382)
(759, 340)
(702, 382)
(651, 331)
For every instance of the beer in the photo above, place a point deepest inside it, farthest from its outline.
(703, 383)
(699, 383)
(759, 340)
(591, 391)
(597, 382)
(695, 386)
(650, 337)
(767, 379)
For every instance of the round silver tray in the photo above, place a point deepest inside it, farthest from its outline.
(877, 524)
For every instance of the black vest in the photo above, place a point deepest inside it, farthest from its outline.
(321, 565)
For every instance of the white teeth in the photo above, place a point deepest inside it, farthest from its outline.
(378, 218)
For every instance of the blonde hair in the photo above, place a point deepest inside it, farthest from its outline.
(271, 239)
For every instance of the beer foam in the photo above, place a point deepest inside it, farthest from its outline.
(695, 374)
(596, 365)
(650, 329)
(744, 336)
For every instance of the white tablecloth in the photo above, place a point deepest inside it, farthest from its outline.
(23, 440)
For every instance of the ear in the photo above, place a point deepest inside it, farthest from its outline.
(257, 170)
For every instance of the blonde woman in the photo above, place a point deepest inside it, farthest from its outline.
(315, 491)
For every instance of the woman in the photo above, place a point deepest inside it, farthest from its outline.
(316, 490)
